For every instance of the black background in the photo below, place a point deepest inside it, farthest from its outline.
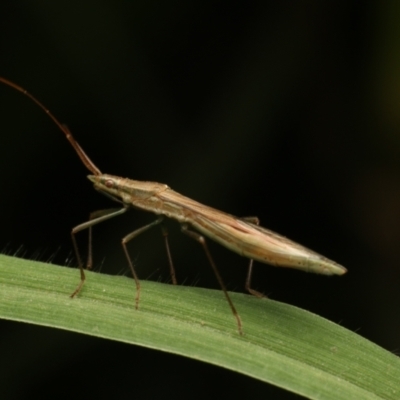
(285, 110)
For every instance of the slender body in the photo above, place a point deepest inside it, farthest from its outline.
(241, 235)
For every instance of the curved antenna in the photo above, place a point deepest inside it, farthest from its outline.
(82, 155)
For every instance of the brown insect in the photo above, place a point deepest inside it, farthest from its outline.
(241, 235)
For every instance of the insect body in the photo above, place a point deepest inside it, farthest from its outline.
(241, 235)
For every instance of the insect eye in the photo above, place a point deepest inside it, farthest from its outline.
(109, 183)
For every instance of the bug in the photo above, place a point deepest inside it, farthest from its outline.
(241, 235)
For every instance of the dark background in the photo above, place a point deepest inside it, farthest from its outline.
(286, 110)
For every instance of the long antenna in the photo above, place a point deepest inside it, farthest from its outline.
(82, 155)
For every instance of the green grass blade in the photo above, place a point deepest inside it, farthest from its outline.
(282, 345)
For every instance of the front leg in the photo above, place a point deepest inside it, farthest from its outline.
(104, 215)
(93, 216)
(127, 239)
